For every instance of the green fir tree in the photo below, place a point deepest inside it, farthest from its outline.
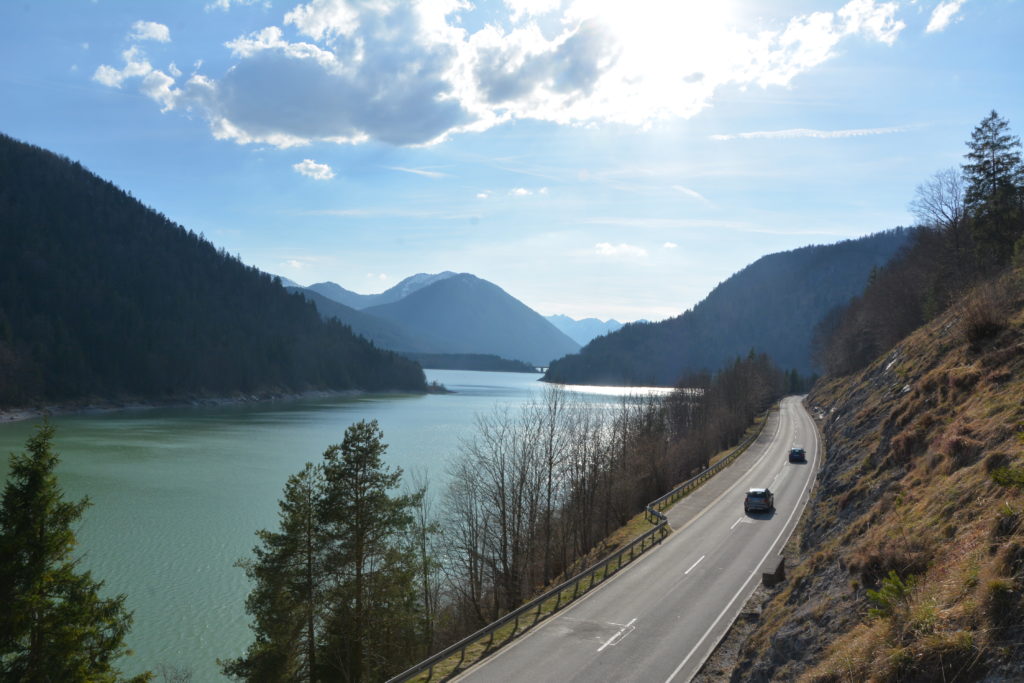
(994, 195)
(54, 626)
(337, 593)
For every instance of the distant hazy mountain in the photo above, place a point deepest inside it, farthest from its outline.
(470, 315)
(770, 306)
(384, 333)
(583, 331)
(360, 301)
(285, 282)
(102, 298)
(338, 294)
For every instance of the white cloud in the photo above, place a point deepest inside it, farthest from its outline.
(625, 250)
(809, 133)
(669, 245)
(690, 193)
(377, 276)
(483, 195)
(312, 169)
(520, 192)
(150, 30)
(225, 5)
(943, 15)
(160, 87)
(135, 64)
(408, 73)
(522, 9)
(420, 171)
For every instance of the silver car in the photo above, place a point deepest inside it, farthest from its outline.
(759, 500)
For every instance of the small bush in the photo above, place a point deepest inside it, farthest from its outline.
(1011, 560)
(1007, 523)
(983, 315)
(1009, 476)
(996, 461)
(891, 599)
(1002, 602)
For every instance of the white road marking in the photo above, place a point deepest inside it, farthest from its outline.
(618, 636)
(738, 521)
(756, 571)
(694, 564)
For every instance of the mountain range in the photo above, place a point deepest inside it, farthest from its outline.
(771, 306)
(336, 292)
(445, 313)
(583, 331)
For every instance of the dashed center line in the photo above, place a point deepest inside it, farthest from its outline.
(694, 564)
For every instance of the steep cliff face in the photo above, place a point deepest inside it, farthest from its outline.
(912, 549)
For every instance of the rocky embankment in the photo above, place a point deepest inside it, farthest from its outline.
(911, 552)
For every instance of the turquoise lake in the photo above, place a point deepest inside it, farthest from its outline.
(178, 494)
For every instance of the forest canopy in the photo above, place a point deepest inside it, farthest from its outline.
(104, 298)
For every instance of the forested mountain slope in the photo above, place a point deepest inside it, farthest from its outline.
(103, 298)
(470, 315)
(771, 306)
(919, 498)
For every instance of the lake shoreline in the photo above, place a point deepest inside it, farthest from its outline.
(106, 406)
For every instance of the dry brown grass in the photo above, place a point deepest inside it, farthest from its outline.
(937, 513)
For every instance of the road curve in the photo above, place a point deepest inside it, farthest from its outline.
(660, 618)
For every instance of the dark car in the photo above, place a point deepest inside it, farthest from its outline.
(759, 500)
(797, 454)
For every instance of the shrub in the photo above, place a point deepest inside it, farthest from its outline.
(1009, 476)
(1002, 602)
(984, 316)
(1007, 522)
(891, 599)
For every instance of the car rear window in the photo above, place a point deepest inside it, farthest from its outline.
(756, 494)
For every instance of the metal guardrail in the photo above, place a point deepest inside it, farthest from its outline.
(592, 576)
(652, 511)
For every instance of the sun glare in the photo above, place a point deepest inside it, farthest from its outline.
(674, 50)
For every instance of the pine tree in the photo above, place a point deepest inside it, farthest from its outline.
(336, 593)
(995, 183)
(288, 599)
(54, 626)
(376, 619)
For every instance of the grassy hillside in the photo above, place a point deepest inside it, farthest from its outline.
(913, 545)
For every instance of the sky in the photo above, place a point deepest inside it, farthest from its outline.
(594, 158)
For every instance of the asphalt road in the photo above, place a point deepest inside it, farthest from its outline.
(661, 617)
